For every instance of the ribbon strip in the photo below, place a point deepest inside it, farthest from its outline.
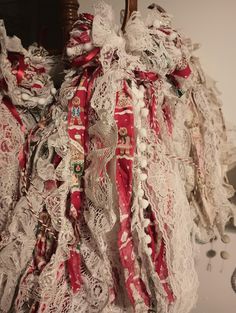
(14, 112)
(77, 125)
(124, 177)
(184, 73)
(21, 65)
(84, 59)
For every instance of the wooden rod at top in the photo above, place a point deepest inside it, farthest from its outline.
(130, 7)
(69, 15)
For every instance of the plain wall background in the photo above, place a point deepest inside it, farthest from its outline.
(212, 23)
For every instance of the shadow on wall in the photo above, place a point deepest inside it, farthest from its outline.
(232, 179)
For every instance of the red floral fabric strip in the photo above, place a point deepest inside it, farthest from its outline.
(124, 167)
(77, 125)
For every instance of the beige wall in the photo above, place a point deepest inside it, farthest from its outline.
(213, 24)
